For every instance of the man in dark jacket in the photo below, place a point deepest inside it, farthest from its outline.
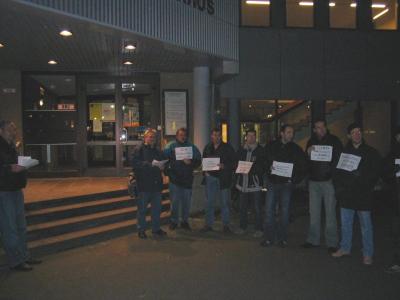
(286, 166)
(180, 172)
(218, 182)
(12, 214)
(250, 184)
(323, 151)
(148, 163)
(355, 177)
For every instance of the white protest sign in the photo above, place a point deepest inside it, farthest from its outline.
(348, 162)
(397, 162)
(182, 153)
(321, 153)
(211, 163)
(159, 163)
(244, 167)
(282, 169)
(27, 161)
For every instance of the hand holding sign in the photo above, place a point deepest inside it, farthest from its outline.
(321, 153)
(282, 169)
(211, 164)
(183, 153)
(348, 162)
(244, 167)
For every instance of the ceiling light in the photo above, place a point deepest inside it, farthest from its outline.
(130, 47)
(255, 2)
(353, 4)
(306, 3)
(332, 4)
(128, 63)
(381, 14)
(52, 62)
(65, 33)
(378, 5)
(1, 45)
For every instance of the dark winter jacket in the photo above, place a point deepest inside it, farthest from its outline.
(10, 181)
(389, 171)
(178, 172)
(321, 170)
(287, 153)
(227, 157)
(148, 177)
(354, 190)
(253, 181)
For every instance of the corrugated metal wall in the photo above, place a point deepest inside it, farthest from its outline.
(171, 21)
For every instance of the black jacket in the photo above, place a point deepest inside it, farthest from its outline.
(227, 157)
(148, 177)
(354, 190)
(321, 170)
(253, 181)
(10, 181)
(288, 153)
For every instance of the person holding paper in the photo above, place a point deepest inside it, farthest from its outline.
(180, 172)
(148, 163)
(12, 214)
(250, 184)
(323, 150)
(354, 191)
(218, 182)
(286, 166)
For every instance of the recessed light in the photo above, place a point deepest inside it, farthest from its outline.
(1, 45)
(259, 2)
(306, 3)
(130, 47)
(52, 62)
(65, 33)
(128, 63)
(332, 4)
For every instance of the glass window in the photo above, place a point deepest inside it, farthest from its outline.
(255, 13)
(342, 14)
(384, 14)
(299, 13)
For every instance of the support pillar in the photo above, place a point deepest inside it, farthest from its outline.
(234, 123)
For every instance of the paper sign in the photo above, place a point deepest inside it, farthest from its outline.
(211, 164)
(182, 153)
(321, 153)
(27, 161)
(97, 126)
(159, 163)
(244, 167)
(282, 169)
(348, 162)
(397, 162)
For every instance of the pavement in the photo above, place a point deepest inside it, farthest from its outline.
(207, 266)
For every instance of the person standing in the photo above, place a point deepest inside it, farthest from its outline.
(321, 190)
(180, 172)
(250, 184)
(218, 182)
(148, 164)
(12, 215)
(355, 176)
(286, 166)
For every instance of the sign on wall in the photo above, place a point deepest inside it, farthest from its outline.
(175, 110)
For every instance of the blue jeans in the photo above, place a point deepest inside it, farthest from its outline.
(13, 227)
(144, 198)
(322, 192)
(212, 191)
(180, 197)
(277, 193)
(245, 198)
(347, 218)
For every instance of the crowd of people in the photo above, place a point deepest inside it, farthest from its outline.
(337, 176)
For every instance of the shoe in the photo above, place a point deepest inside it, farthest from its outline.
(173, 226)
(393, 269)
(367, 260)
(266, 243)
(206, 229)
(240, 231)
(186, 226)
(33, 261)
(308, 245)
(258, 234)
(283, 244)
(340, 253)
(332, 250)
(142, 235)
(227, 229)
(160, 233)
(23, 267)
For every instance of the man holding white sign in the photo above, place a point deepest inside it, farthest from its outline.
(286, 166)
(355, 177)
(323, 150)
(183, 157)
(218, 178)
(250, 180)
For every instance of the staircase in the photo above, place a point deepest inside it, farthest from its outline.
(61, 224)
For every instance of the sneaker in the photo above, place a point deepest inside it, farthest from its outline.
(206, 229)
(227, 229)
(173, 226)
(332, 250)
(340, 253)
(159, 233)
(283, 244)
(186, 226)
(240, 231)
(367, 260)
(393, 269)
(266, 243)
(258, 234)
(142, 235)
(308, 245)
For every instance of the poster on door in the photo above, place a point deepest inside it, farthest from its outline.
(175, 110)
